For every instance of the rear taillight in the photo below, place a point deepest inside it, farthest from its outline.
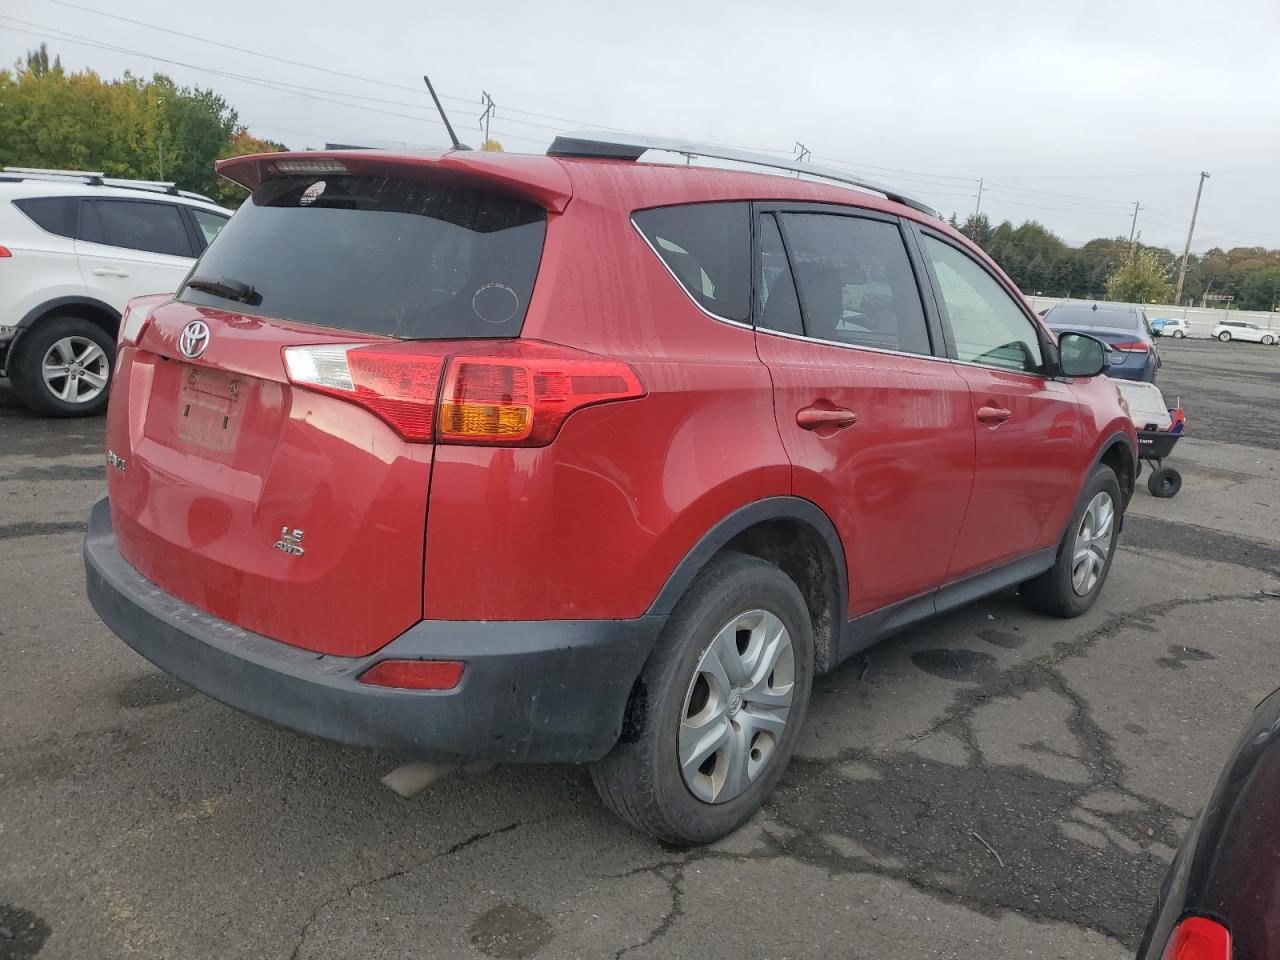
(133, 323)
(1198, 938)
(5, 252)
(1131, 346)
(516, 396)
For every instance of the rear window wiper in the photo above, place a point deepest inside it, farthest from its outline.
(226, 287)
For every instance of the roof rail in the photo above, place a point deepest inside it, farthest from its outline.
(94, 178)
(633, 146)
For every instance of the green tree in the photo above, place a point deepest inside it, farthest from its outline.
(1260, 290)
(977, 227)
(131, 127)
(493, 146)
(238, 144)
(1142, 277)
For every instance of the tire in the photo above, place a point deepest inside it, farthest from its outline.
(1164, 483)
(71, 339)
(1178, 334)
(1224, 336)
(641, 779)
(1056, 591)
(1268, 340)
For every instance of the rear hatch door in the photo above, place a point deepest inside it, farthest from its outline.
(294, 512)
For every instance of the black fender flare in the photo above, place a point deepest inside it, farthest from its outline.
(771, 508)
(35, 313)
(1118, 437)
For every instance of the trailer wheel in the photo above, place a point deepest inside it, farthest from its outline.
(1164, 483)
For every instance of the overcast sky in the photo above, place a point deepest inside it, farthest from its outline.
(1070, 111)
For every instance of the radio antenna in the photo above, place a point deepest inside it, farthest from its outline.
(457, 144)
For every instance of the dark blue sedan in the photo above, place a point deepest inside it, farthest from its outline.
(1123, 327)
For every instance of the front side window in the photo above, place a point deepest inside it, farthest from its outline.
(136, 225)
(987, 324)
(708, 248)
(856, 282)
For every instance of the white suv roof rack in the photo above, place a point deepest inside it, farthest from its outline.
(96, 178)
(633, 146)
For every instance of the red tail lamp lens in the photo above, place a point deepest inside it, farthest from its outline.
(1199, 938)
(523, 400)
(414, 674)
(516, 399)
(1131, 346)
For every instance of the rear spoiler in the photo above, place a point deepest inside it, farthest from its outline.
(542, 180)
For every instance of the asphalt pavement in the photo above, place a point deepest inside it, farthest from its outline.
(993, 784)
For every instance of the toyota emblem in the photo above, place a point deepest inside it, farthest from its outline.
(194, 338)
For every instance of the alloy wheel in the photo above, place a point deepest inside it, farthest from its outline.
(737, 706)
(1093, 544)
(75, 369)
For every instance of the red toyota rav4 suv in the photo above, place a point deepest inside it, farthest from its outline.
(575, 458)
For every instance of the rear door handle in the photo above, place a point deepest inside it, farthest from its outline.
(993, 416)
(815, 418)
(108, 272)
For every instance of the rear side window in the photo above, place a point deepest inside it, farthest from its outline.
(136, 225)
(210, 224)
(856, 282)
(54, 214)
(401, 258)
(708, 248)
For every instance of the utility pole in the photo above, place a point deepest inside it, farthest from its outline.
(1133, 229)
(160, 135)
(978, 209)
(484, 117)
(802, 154)
(1186, 251)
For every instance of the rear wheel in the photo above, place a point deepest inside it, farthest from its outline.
(1224, 336)
(715, 715)
(62, 366)
(1268, 339)
(1164, 483)
(1178, 334)
(1071, 586)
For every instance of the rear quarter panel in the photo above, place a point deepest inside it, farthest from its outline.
(592, 525)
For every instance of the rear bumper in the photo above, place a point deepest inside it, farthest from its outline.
(532, 691)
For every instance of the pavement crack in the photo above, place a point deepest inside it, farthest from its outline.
(458, 847)
(1023, 676)
(674, 881)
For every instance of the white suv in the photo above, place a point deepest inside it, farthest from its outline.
(75, 247)
(1240, 330)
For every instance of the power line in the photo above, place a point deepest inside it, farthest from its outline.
(65, 36)
(310, 66)
(1063, 202)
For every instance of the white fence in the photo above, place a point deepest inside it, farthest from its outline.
(1200, 320)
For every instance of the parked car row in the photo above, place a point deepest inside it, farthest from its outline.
(1225, 330)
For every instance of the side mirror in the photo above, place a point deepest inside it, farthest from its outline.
(1080, 355)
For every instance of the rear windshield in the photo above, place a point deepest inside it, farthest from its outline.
(1088, 317)
(402, 258)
